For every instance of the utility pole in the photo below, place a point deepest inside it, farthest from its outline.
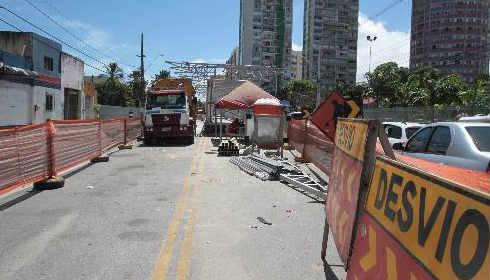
(142, 68)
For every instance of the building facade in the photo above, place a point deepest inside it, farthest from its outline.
(72, 84)
(452, 36)
(266, 33)
(296, 66)
(30, 79)
(330, 42)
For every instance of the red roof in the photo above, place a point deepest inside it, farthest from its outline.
(243, 97)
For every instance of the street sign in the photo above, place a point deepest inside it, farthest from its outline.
(334, 107)
(348, 177)
(421, 225)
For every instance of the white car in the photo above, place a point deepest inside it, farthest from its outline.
(461, 144)
(400, 132)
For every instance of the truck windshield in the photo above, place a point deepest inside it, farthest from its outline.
(167, 101)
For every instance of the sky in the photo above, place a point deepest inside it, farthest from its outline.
(189, 30)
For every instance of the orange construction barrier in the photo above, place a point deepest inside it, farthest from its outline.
(34, 153)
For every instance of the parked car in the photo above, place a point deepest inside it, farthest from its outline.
(461, 144)
(400, 132)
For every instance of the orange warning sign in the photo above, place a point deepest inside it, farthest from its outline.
(443, 227)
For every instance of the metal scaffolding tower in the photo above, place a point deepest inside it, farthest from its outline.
(200, 73)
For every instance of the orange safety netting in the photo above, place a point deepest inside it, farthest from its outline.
(36, 152)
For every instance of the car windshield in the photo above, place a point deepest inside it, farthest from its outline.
(409, 131)
(167, 101)
(480, 136)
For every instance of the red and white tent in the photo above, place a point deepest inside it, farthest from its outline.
(243, 97)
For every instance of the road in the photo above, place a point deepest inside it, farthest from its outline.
(163, 213)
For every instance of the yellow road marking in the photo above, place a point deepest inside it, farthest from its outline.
(184, 261)
(162, 265)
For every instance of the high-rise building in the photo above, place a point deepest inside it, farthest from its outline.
(330, 42)
(452, 36)
(266, 32)
(296, 66)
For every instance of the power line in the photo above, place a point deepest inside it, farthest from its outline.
(69, 32)
(52, 36)
(40, 41)
(11, 25)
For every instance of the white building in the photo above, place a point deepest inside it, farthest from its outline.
(29, 79)
(330, 42)
(266, 33)
(72, 82)
(296, 67)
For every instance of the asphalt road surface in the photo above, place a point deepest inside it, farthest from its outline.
(169, 212)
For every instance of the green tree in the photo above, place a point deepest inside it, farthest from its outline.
(448, 90)
(137, 88)
(301, 94)
(478, 94)
(163, 74)
(113, 91)
(385, 83)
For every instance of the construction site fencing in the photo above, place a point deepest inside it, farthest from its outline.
(34, 153)
(312, 143)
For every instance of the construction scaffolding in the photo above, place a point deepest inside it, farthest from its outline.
(200, 73)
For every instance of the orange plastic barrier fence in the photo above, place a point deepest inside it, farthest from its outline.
(312, 143)
(24, 155)
(33, 153)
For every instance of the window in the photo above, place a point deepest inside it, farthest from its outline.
(48, 63)
(439, 143)
(419, 142)
(409, 131)
(393, 131)
(480, 136)
(49, 102)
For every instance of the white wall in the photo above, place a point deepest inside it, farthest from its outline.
(15, 103)
(39, 98)
(72, 70)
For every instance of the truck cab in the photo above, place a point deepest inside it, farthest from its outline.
(168, 116)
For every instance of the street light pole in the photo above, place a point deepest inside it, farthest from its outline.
(318, 86)
(371, 41)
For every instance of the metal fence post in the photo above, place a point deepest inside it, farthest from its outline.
(99, 135)
(51, 131)
(125, 131)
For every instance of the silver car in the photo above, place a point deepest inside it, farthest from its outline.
(461, 144)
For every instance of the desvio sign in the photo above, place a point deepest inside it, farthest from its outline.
(443, 226)
(346, 178)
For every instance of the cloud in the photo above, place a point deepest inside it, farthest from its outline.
(102, 46)
(297, 47)
(389, 46)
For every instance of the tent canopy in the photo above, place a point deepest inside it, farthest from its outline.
(243, 97)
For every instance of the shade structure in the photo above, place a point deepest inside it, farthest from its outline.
(243, 97)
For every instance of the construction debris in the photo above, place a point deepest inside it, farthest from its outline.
(276, 169)
(228, 148)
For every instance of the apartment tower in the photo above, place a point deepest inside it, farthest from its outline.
(330, 42)
(452, 36)
(265, 32)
